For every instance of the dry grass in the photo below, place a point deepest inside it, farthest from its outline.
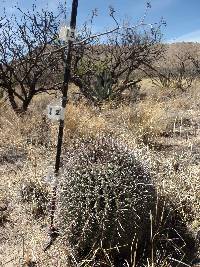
(164, 126)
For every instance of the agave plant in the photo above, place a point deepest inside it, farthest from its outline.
(102, 89)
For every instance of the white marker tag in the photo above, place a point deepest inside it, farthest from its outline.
(66, 33)
(50, 178)
(55, 112)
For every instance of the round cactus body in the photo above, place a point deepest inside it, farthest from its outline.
(106, 197)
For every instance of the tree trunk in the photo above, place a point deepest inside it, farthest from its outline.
(26, 103)
(13, 103)
(19, 109)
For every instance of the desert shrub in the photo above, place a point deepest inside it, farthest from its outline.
(109, 65)
(173, 71)
(24, 70)
(107, 202)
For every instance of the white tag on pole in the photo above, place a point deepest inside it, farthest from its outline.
(50, 177)
(66, 33)
(55, 111)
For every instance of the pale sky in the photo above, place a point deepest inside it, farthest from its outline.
(182, 16)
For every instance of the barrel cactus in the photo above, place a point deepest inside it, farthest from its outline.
(107, 202)
(105, 198)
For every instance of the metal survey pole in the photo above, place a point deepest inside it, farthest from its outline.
(53, 233)
(66, 83)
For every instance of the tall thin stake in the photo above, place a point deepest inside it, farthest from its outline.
(52, 231)
(65, 84)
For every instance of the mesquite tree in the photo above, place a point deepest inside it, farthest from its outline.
(104, 65)
(174, 70)
(27, 66)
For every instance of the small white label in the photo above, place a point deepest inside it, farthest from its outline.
(55, 112)
(66, 33)
(50, 177)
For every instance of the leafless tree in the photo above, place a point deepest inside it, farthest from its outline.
(107, 67)
(175, 70)
(194, 57)
(103, 64)
(24, 69)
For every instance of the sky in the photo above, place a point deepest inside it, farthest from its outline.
(182, 16)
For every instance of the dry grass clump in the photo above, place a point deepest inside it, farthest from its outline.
(153, 118)
(83, 120)
(149, 119)
(177, 175)
(9, 127)
(145, 121)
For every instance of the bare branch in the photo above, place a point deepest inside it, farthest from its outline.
(24, 70)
